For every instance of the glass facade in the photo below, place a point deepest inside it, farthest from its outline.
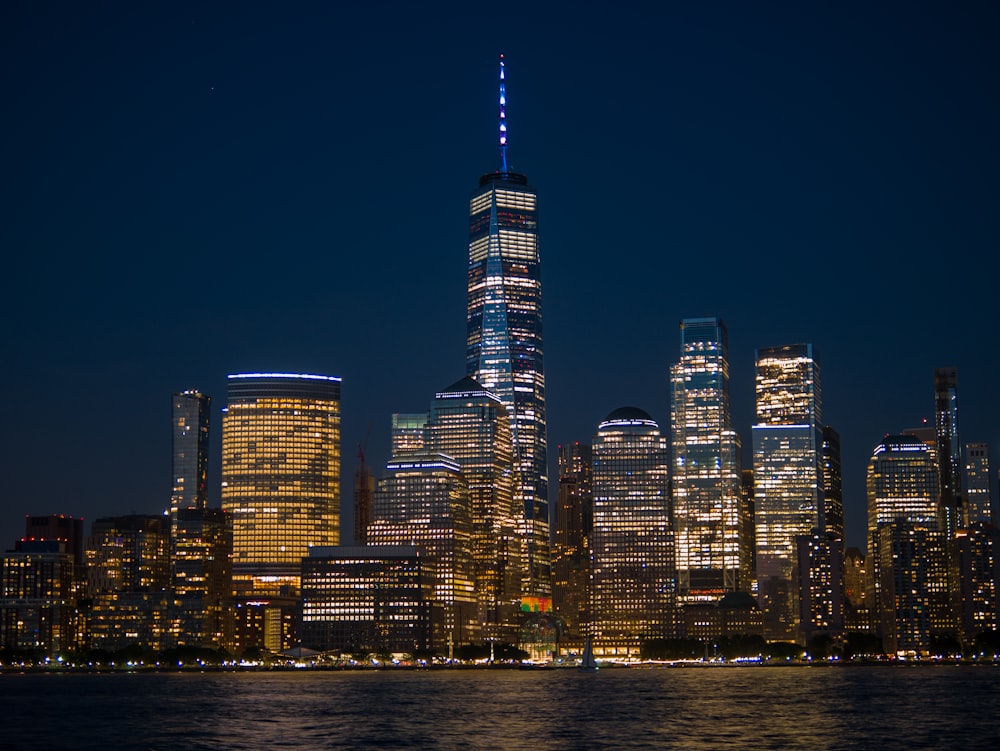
(280, 475)
(949, 449)
(788, 476)
(706, 467)
(978, 495)
(424, 501)
(634, 586)
(202, 578)
(190, 419)
(504, 344)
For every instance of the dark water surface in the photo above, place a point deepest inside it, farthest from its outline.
(921, 707)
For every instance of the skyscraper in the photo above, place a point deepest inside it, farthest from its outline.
(705, 467)
(189, 417)
(504, 344)
(833, 484)
(423, 500)
(788, 475)
(572, 528)
(949, 449)
(978, 495)
(633, 594)
(280, 475)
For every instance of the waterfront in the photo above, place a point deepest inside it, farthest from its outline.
(919, 707)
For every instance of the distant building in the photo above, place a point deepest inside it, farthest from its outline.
(978, 494)
(633, 594)
(423, 501)
(832, 483)
(857, 605)
(128, 568)
(38, 611)
(365, 599)
(504, 342)
(280, 476)
(364, 497)
(736, 614)
(202, 578)
(409, 433)
(190, 416)
(820, 585)
(976, 552)
(711, 557)
(572, 529)
(949, 448)
(788, 476)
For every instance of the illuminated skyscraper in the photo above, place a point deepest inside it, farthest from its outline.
(788, 475)
(202, 573)
(504, 344)
(470, 425)
(978, 495)
(949, 449)
(907, 547)
(833, 484)
(424, 501)
(189, 417)
(280, 475)
(706, 467)
(572, 527)
(633, 594)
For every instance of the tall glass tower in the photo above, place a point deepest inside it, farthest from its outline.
(949, 449)
(706, 467)
(280, 475)
(634, 588)
(189, 419)
(504, 343)
(788, 475)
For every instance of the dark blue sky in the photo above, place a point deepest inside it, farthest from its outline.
(190, 192)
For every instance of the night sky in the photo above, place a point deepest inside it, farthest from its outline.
(194, 191)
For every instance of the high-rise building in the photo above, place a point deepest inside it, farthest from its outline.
(820, 584)
(408, 432)
(978, 495)
(788, 475)
(633, 591)
(470, 425)
(423, 500)
(189, 417)
(904, 533)
(38, 598)
(832, 483)
(364, 495)
(572, 527)
(280, 475)
(976, 553)
(202, 578)
(949, 449)
(504, 344)
(705, 467)
(857, 605)
(128, 568)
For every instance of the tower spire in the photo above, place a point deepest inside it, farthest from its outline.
(503, 121)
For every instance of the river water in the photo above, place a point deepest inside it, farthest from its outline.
(845, 707)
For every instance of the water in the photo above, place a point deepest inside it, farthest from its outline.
(884, 708)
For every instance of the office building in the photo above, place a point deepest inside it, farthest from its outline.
(572, 527)
(978, 493)
(190, 412)
(202, 578)
(280, 475)
(819, 567)
(949, 449)
(788, 476)
(832, 484)
(423, 500)
(711, 559)
(504, 343)
(365, 599)
(976, 553)
(633, 591)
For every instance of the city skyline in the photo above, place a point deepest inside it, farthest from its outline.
(177, 221)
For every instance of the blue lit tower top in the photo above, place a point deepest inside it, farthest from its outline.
(503, 121)
(504, 344)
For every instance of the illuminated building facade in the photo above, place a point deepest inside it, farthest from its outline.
(748, 531)
(633, 588)
(369, 598)
(190, 411)
(706, 467)
(857, 593)
(408, 432)
(280, 475)
(504, 343)
(833, 484)
(902, 485)
(202, 578)
(788, 475)
(976, 552)
(38, 598)
(128, 570)
(470, 424)
(949, 449)
(423, 501)
(736, 614)
(978, 495)
(820, 584)
(573, 524)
